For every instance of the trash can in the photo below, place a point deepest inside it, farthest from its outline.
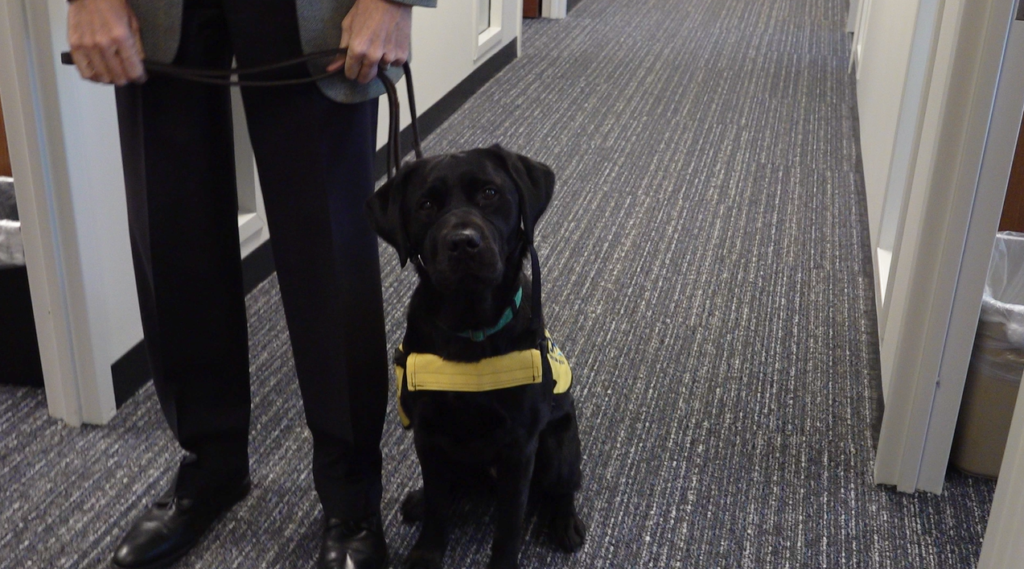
(997, 363)
(19, 348)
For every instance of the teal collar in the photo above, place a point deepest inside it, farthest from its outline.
(479, 335)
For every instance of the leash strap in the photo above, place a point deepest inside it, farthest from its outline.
(538, 316)
(223, 77)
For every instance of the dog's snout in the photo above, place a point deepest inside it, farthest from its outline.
(463, 241)
(462, 251)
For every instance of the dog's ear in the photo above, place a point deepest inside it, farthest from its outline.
(384, 209)
(534, 181)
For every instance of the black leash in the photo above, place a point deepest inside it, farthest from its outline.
(223, 77)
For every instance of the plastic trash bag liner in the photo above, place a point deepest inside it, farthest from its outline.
(8, 203)
(1000, 338)
(12, 251)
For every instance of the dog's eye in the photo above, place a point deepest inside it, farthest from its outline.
(489, 193)
(426, 205)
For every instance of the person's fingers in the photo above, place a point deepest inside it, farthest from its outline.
(134, 71)
(131, 64)
(396, 53)
(398, 44)
(367, 73)
(374, 34)
(81, 60)
(364, 55)
(133, 54)
(81, 47)
(336, 63)
(140, 51)
(361, 63)
(356, 57)
(368, 68)
(101, 72)
(104, 39)
(388, 57)
(116, 45)
(401, 53)
(353, 64)
(346, 38)
(76, 41)
(112, 58)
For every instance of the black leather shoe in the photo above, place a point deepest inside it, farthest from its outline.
(353, 545)
(172, 527)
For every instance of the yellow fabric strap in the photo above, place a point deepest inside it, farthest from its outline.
(431, 373)
(428, 372)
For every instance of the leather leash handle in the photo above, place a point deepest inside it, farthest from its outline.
(223, 77)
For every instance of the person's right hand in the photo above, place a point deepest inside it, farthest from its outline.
(105, 43)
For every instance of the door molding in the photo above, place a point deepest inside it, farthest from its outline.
(47, 223)
(556, 9)
(951, 220)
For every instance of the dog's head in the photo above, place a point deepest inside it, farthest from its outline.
(464, 216)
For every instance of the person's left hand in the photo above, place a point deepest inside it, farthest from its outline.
(375, 32)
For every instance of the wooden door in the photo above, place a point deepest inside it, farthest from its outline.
(1013, 205)
(531, 8)
(5, 156)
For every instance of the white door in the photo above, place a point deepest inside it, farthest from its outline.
(944, 189)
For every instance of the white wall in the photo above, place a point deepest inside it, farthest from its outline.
(445, 50)
(92, 251)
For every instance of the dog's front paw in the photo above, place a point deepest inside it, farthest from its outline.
(423, 559)
(413, 507)
(568, 532)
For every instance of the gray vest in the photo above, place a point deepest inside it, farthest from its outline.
(319, 29)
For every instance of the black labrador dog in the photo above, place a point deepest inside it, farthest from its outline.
(466, 222)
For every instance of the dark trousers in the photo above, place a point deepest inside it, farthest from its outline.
(315, 164)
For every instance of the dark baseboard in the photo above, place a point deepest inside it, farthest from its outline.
(440, 111)
(257, 267)
(131, 372)
(572, 4)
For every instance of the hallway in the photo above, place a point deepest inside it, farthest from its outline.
(707, 272)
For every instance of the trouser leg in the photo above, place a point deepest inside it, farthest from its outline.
(177, 147)
(315, 163)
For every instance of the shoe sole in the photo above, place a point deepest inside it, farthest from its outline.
(168, 561)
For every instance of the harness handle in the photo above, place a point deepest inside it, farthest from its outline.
(223, 77)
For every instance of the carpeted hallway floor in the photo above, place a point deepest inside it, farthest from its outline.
(707, 272)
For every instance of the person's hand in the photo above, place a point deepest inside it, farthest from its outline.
(105, 43)
(375, 32)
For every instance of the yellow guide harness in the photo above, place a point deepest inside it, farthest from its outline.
(428, 372)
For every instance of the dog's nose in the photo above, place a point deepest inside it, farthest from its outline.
(463, 241)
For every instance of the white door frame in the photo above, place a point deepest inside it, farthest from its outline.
(910, 129)
(959, 176)
(34, 132)
(556, 9)
(72, 328)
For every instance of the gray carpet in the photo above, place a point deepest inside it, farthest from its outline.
(707, 272)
